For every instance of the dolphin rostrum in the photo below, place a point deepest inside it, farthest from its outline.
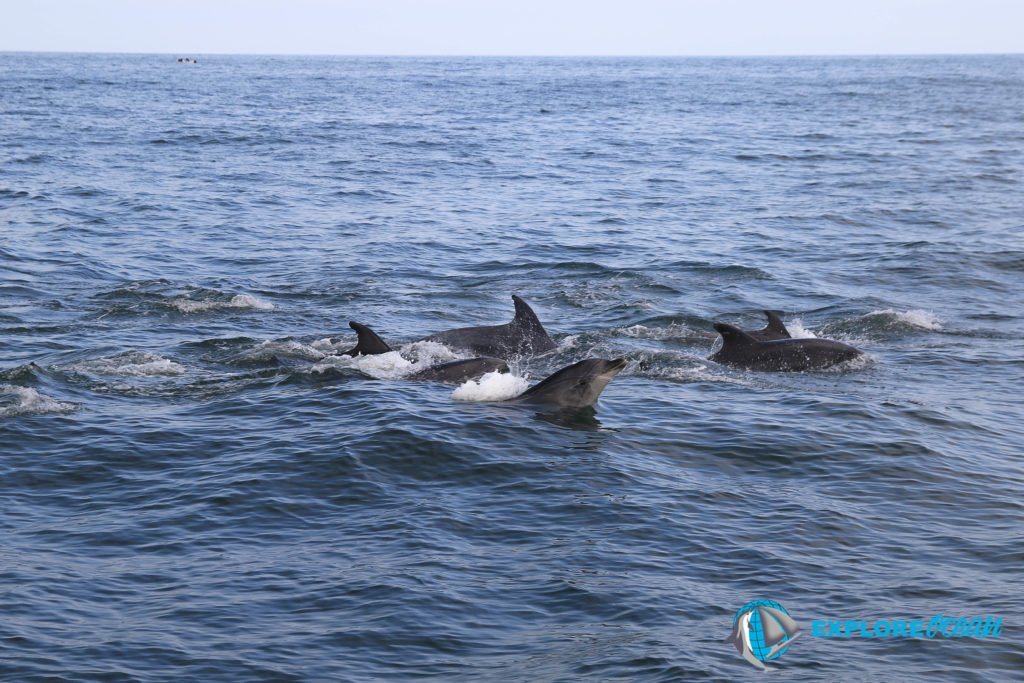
(574, 386)
(524, 336)
(742, 350)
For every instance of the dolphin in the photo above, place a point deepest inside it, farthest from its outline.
(367, 342)
(524, 336)
(775, 329)
(742, 350)
(459, 371)
(574, 386)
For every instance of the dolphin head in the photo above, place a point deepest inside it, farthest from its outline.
(575, 386)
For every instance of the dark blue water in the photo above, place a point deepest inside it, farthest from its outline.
(185, 497)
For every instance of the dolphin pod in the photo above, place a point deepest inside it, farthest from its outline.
(770, 349)
(574, 386)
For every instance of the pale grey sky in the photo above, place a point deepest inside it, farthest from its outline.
(515, 27)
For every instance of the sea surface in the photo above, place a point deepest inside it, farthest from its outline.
(196, 485)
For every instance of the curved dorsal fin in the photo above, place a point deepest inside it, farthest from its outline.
(524, 314)
(733, 336)
(776, 325)
(368, 343)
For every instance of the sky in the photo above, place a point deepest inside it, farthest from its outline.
(515, 27)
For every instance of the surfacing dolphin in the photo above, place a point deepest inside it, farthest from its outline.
(775, 329)
(524, 336)
(459, 371)
(742, 350)
(574, 386)
(369, 344)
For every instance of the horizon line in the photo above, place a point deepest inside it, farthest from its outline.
(530, 55)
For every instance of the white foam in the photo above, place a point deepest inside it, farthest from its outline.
(327, 346)
(249, 301)
(238, 301)
(427, 353)
(31, 401)
(290, 349)
(926, 320)
(388, 365)
(133, 363)
(797, 330)
(672, 331)
(494, 386)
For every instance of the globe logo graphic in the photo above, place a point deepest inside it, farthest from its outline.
(762, 630)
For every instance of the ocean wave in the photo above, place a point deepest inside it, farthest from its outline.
(925, 320)
(288, 348)
(133, 364)
(31, 402)
(673, 331)
(185, 305)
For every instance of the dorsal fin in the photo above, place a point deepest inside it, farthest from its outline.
(368, 343)
(524, 314)
(776, 325)
(733, 336)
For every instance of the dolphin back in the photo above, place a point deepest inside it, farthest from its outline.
(742, 350)
(462, 370)
(524, 336)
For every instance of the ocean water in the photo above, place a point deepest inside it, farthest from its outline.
(195, 485)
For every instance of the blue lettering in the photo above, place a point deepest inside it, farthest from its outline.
(864, 629)
(899, 629)
(818, 626)
(991, 628)
(917, 629)
(974, 630)
(834, 629)
(935, 625)
(849, 629)
(879, 632)
(961, 627)
(948, 621)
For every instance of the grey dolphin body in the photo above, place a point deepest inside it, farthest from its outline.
(741, 350)
(462, 370)
(369, 344)
(574, 386)
(775, 329)
(524, 336)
